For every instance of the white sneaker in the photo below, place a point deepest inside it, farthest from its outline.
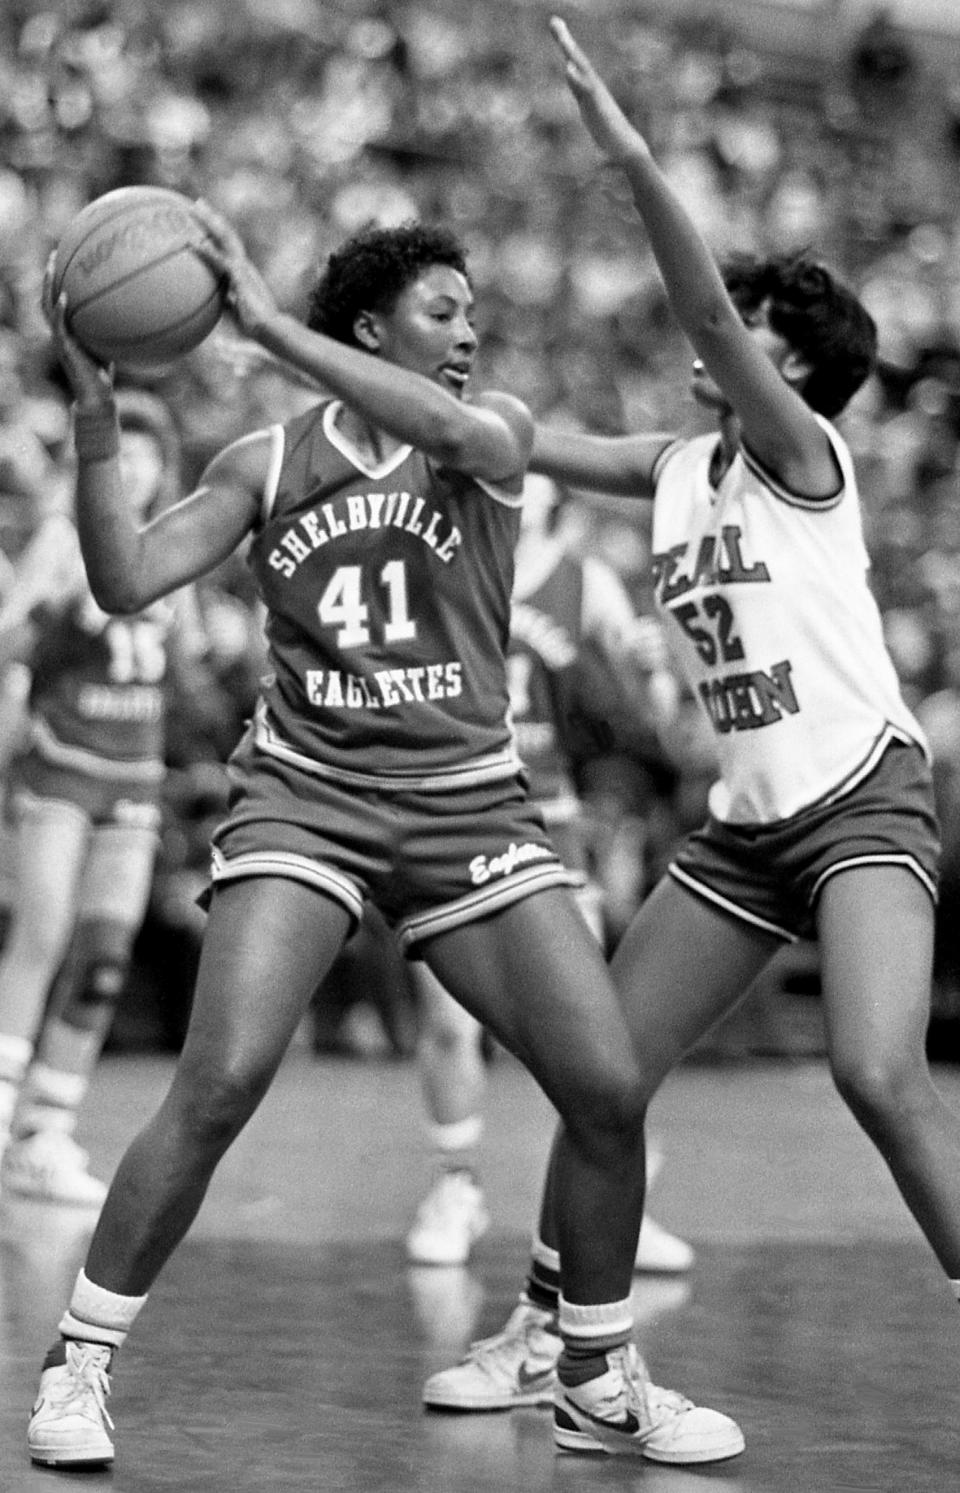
(517, 1366)
(662, 1253)
(623, 1413)
(50, 1165)
(69, 1426)
(449, 1221)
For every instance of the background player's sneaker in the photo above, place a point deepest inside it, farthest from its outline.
(449, 1221)
(69, 1426)
(517, 1366)
(660, 1252)
(51, 1166)
(623, 1413)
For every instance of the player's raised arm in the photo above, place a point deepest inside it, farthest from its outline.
(127, 565)
(489, 438)
(777, 425)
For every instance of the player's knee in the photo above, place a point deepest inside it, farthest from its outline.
(608, 1119)
(212, 1103)
(878, 1087)
(97, 996)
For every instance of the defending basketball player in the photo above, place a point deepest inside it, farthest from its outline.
(823, 820)
(380, 764)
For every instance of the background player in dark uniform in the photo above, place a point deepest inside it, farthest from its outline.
(380, 764)
(85, 795)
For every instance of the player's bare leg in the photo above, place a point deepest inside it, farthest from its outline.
(876, 936)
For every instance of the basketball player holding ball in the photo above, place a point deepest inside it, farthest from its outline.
(380, 764)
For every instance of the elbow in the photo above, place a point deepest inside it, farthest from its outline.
(113, 596)
(446, 437)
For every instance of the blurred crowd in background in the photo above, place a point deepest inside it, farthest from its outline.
(303, 120)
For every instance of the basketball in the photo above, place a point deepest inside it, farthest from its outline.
(138, 293)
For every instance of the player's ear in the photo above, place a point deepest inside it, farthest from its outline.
(367, 332)
(795, 368)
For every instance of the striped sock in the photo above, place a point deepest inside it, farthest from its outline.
(589, 1332)
(542, 1288)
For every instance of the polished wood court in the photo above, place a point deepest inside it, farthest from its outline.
(284, 1346)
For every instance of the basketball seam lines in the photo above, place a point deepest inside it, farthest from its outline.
(125, 280)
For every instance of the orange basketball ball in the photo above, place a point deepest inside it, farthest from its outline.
(138, 292)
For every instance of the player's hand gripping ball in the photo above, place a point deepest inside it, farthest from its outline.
(139, 291)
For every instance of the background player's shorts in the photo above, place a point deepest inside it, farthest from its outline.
(430, 861)
(106, 797)
(771, 875)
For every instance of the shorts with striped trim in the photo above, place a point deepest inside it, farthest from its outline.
(431, 861)
(771, 875)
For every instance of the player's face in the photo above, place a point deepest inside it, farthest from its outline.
(430, 329)
(756, 320)
(141, 468)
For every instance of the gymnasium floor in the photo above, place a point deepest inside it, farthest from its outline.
(284, 1346)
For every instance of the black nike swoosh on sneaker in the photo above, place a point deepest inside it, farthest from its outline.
(528, 1378)
(628, 1426)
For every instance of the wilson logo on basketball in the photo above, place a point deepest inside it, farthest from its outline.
(135, 236)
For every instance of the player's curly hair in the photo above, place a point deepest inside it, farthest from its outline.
(372, 270)
(818, 315)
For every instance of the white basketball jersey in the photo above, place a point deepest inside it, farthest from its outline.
(776, 630)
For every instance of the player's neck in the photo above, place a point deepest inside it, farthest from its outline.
(373, 445)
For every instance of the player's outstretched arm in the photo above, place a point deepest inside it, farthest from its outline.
(622, 466)
(776, 422)
(128, 566)
(489, 438)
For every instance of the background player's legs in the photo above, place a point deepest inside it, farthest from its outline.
(52, 840)
(876, 938)
(268, 941)
(43, 1160)
(453, 1077)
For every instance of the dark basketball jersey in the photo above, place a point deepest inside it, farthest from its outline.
(388, 599)
(97, 685)
(546, 637)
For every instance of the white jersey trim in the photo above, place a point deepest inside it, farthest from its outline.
(278, 446)
(786, 494)
(496, 767)
(347, 449)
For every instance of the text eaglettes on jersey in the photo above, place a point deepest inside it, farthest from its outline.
(312, 530)
(690, 588)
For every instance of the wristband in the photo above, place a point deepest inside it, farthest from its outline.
(96, 432)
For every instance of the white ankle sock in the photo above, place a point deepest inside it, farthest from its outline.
(96, 1315)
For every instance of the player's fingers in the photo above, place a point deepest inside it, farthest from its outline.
(567, 45)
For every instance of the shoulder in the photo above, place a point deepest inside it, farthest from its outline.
(249, 457)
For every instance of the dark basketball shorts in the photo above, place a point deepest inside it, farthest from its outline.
(430, 861)
(771, 875)
(107, 797)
